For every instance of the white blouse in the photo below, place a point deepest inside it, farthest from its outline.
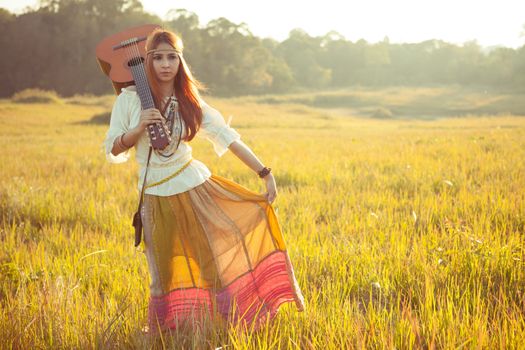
(126, 115)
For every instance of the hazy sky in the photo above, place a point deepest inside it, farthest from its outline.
(490, 22)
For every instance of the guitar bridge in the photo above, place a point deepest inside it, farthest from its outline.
(128, 42)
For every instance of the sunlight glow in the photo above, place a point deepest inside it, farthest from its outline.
(487, 21)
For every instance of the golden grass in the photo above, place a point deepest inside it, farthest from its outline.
(36, 96)
(403, 233)
(408, 102)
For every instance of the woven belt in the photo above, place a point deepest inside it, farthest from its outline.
(166, 179)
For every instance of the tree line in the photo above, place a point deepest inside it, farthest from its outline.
(53, 47)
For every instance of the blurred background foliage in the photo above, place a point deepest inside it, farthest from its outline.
(53, 48)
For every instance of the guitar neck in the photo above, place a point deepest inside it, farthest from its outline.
(120, 54)
(158, 133)
(141, 82)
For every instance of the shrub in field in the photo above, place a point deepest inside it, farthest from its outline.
(91, 100)
(36, 96)
(382, 113)
(100, 118)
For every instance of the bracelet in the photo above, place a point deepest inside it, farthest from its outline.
(263, 172)
(121, 142)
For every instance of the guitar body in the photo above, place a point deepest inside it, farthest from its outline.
(121, 58)
(114, 63)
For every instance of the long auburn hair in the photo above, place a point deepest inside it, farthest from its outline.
(186, 86)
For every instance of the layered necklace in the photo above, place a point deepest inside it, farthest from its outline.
(174, 125)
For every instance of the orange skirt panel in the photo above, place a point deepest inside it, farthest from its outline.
(216, 249)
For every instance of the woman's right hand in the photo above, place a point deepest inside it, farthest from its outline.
(150, 116)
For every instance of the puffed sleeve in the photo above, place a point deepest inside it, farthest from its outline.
(216, 130)
(119, 124)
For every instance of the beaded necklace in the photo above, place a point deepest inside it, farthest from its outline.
(174, 127)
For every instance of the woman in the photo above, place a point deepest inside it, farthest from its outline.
(211, 244)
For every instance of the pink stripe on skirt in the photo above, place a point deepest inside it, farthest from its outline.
(251, 299)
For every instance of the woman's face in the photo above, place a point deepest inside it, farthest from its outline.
(165, 63)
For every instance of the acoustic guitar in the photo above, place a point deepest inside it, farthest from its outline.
(121, 57)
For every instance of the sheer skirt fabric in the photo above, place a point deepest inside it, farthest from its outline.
(216, 249)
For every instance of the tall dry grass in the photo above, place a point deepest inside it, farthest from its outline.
(403, 233)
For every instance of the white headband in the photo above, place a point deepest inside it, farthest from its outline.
(163, 50)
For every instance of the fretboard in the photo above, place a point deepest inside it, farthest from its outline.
(139, 75)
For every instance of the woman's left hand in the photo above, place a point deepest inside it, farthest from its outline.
(271, 188)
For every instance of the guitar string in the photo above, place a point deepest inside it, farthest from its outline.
(135, 53)
(128, 51)
(133, 60)
(132, 54)
(141, 72)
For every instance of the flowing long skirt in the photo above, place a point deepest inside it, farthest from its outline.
(216, 249)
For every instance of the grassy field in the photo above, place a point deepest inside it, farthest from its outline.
(404, 233)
